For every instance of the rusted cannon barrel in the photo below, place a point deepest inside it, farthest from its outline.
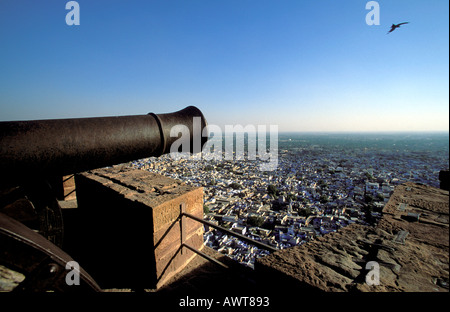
(66, 146)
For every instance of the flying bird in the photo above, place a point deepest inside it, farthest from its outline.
(393, 27)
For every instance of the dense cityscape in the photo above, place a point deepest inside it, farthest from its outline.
(320, 185)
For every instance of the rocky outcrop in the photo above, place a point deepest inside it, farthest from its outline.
(410, 244)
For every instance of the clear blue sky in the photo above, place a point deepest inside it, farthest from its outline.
(305, 65)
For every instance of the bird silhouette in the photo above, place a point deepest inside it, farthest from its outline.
(394, 27)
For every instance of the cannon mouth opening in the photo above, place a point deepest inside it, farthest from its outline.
(188, 125)
(203, 133)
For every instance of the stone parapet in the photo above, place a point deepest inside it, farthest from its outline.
(128, 229)
(410, 244)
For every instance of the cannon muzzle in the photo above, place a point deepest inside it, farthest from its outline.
(66, 146)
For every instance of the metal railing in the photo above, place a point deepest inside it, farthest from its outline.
(183, 213)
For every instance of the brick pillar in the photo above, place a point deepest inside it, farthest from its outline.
(129, 229)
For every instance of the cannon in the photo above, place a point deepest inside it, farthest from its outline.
(35, 154)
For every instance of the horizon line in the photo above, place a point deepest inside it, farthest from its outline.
(363, 131)
(356, 132)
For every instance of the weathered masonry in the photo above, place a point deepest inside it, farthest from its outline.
(127, 229)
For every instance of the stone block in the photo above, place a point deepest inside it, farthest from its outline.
(129, 229)
(69, 187)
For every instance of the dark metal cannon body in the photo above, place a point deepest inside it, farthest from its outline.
(65, 146)
(32, 153)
